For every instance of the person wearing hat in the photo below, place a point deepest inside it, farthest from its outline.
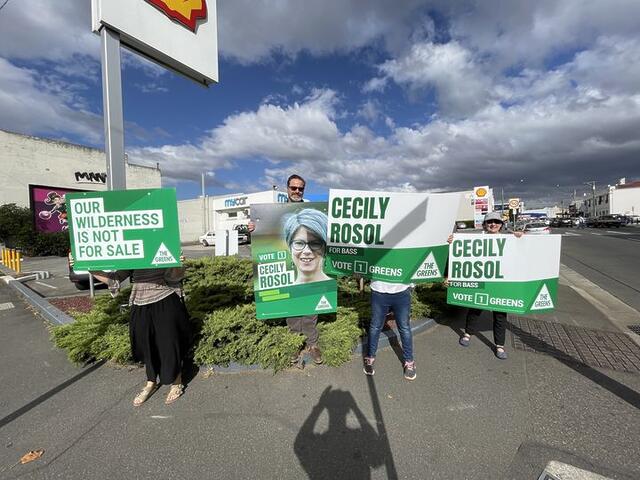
(491, 225)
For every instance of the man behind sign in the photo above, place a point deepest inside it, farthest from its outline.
(307, 324)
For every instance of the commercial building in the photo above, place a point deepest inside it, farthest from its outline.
(622, 199)
(27, 162)
(224, 212)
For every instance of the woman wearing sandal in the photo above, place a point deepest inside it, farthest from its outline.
(491, 225)
(159, 328)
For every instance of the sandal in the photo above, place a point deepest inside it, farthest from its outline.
(175, 392)
(144, 395)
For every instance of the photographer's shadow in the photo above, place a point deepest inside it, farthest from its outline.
(349, 448)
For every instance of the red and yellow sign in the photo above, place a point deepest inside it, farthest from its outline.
(481, 192)
(186, 12)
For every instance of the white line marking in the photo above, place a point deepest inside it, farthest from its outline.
(46, 285)
(617, 232)
(594, 233)
(6, 306)
(161, 417)
(571, 234)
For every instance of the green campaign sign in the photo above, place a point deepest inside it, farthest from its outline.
(393, 237)
(124, 230)
(288, 248)
(504, 273)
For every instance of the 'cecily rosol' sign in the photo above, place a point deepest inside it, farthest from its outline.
(129, 229)
(504, 273)
(389, 236)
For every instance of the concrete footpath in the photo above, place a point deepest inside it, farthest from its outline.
(466, 416)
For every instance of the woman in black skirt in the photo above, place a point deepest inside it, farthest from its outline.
(160, 330)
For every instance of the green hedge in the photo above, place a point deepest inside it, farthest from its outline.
(220, 301)
(17, 231)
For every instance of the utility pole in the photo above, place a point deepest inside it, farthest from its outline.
(204, 208)
(592, 183)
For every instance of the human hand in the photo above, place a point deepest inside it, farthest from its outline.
(251, 226)
(518, 234)
(450, 238)
(445, 282)
(71, 260)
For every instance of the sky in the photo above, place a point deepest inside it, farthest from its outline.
(531, 98)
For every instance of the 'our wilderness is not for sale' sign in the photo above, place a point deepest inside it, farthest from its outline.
(504, 273)
(388, 236)
(128, 229)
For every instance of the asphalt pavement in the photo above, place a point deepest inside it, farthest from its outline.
(468, 415)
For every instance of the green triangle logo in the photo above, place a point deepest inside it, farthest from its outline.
(323, 304)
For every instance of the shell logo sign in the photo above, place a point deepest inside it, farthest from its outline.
(186, 12)
(481, 192)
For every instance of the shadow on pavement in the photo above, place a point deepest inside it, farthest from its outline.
(47, 395)
(618, 389)
(348, 448)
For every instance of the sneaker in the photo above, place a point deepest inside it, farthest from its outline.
(315, 354)
(464, 340)
(410, 370)
(368, 366)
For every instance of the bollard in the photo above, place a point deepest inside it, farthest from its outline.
(12, 261)
(19, 263)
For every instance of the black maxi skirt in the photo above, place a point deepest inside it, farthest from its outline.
(161, 336)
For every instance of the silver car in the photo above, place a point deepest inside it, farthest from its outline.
(538, 228)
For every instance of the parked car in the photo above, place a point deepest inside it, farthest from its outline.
(244, 235)
(590, 222)
(608, 221)
(80, 278)
(537, 228)
(208, 239)
(461, 225)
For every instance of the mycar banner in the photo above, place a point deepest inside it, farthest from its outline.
(288, 246)
(389, 236)
(124, 230)
(504, 273)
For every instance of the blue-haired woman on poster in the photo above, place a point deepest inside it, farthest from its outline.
(306, 235)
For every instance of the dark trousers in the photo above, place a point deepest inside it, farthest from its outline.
(307, 326)
(499, 324)
(160, 337)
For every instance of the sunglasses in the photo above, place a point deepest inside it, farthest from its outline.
(494, 222)
(296, 189)
(314, 245)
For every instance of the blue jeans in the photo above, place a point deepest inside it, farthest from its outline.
(400, 304)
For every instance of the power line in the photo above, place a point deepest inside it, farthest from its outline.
(5, 2)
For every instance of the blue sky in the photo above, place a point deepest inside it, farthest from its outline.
(413, 95)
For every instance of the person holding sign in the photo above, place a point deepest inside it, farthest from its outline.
(302, 252)
(306, 235)
(390, 297)
(492, 224)
(159, 328)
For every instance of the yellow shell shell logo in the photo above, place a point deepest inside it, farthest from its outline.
(185, 12)
(481, 192)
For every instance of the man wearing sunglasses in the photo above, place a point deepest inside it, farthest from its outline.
(307, 324)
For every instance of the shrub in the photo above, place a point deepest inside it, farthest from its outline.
(17, 231)
(220, 300)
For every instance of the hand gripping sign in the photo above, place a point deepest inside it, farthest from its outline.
(504, 273)
(393, 237)
(128, 229)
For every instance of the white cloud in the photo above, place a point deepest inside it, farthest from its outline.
(30, 103)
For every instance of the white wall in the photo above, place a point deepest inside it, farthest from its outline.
(26, 160)
(625, 201)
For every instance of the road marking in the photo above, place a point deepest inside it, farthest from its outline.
(594, 233)
(571, 234)
(617, 232)
(46, 285)
(6, 306)
(161, 417)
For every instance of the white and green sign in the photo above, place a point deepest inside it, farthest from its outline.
(394, 237)
(124, 230)
(289, 247)
(504, 273)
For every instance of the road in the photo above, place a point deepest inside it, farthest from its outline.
(609, 258)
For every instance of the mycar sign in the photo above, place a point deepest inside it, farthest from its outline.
(178, 34)
(389, 236)
(128, 229)
(504, 273)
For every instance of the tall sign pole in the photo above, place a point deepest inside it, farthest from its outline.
(112, 105)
